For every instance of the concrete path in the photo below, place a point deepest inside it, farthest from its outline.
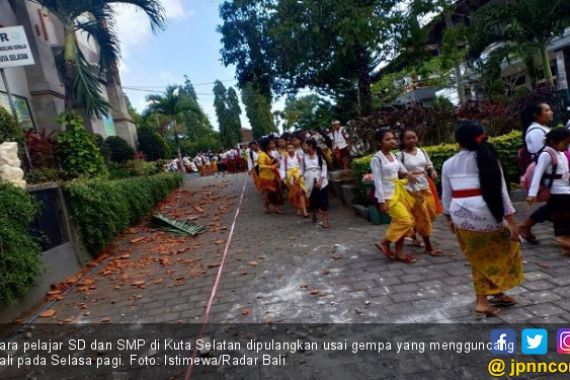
(282, 268)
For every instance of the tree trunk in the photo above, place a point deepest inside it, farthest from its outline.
(546, 67)
(177, 142)
(69, 56)
(458, 73)
(364, 81)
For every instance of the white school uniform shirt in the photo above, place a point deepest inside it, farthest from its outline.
(460, 172)
(544, 166)
(385, 173)
(251, 164)
(419, 162)
(339, 142)
(288, 162)
(276, 155)
(535, 138)
(312, 171)
(300, 152)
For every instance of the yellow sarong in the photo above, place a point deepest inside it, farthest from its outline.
(399, 209)
(424, 212)
(495, 260)
(295, 186)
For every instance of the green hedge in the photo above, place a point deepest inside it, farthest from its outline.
(507, 147)
(20, 254)
(102, 208)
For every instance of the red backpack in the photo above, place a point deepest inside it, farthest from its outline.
(543, 191)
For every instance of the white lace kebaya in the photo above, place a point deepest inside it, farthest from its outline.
(470, 213)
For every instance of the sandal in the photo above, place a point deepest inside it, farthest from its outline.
(415, 242)
(488, 312)
(408, 259)
(325, 225)
(527, 235)
(502, 301)
(389, 254)
(435, 252)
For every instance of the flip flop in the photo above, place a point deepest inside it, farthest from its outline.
(502, 301)
(490, 312)
(325, 225)
(528, 236)
(390, 254)
(408, 259)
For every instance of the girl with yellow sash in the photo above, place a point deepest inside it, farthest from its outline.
(292, 174)
(269, 182)
(418, 164)
(392, 197)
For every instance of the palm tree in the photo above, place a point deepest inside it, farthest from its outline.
(172, 104)
(529, 23)
(95, 18)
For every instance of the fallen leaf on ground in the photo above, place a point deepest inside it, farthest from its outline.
(138, 283)
(253, 263)
(106, 319)
(136, 240)
(158, 281)
(220, 242)
(245, 311)
(47, 313)
(315, 292)
(336, 257)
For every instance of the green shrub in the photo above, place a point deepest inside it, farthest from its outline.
(40, 175)
(77, 149)
(20, 254)
(103, 148)
(120, 150)
(132, 168)
(102, 208)
(507, 147)
(9, 128)
(152, 144)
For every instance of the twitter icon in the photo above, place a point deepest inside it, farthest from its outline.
(534, 341)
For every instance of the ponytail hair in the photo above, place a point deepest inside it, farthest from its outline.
(471, 136)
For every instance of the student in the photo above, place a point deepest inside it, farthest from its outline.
(316, 182)
(252, 163)
(282, 146)
(391, 196)
(273, 151)
(558, 204)
(269, 182)
(478, 209)
(297, 144)
(418, 164)
(292, 173)
(536, 119)
(341, 145)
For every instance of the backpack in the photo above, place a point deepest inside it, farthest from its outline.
(524, 157)
(543, 191)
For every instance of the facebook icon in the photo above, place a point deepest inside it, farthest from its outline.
(503, 341)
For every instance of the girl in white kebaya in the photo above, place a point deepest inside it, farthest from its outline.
(291, 172)
(316, 181)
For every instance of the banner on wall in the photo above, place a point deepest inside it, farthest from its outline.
(14, 47)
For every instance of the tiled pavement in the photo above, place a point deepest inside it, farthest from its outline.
(282, 268)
